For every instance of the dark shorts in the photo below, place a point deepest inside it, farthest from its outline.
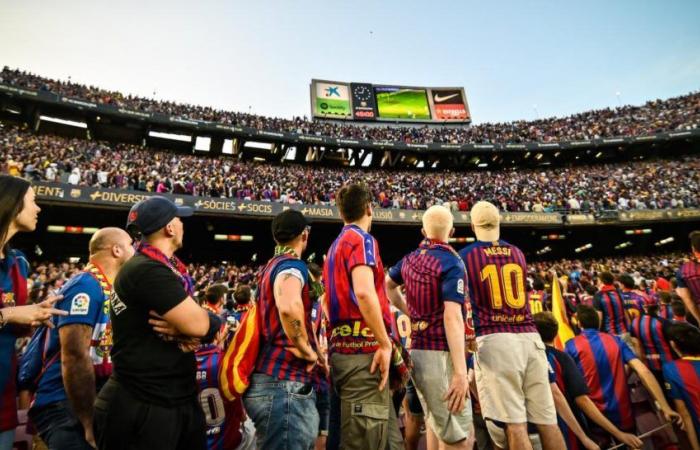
(412, 400)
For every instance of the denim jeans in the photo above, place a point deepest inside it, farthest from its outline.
(7, 439)
(58, 427)
(284, 413)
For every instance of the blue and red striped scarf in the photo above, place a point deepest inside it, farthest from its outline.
(174, 264)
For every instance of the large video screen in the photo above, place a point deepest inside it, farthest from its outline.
(368, 102)
(402, 103)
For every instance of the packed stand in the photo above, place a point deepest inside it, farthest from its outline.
(137, 348)
(623, 186)
(678, 113)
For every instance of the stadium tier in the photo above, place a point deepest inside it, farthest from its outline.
(602, 201)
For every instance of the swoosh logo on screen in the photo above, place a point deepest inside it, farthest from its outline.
(442, 99)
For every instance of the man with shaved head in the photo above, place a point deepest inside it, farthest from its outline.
(435, 280)
(77, 355)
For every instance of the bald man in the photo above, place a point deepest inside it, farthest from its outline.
(77, 359)
(435, 278)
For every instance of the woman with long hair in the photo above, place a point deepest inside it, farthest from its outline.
(18, 213)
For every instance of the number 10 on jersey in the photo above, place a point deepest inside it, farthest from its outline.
(507, 283)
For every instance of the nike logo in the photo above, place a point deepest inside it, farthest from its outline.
(442, 99)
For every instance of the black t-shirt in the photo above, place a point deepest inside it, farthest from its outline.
(153, 370)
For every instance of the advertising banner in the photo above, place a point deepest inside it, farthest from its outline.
(331, 100)
(449, 104)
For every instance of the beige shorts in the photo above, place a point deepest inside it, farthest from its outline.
(512, 377)
(432, 373)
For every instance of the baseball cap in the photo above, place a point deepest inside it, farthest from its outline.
(288, 224)
(153, 213)
(484, 215)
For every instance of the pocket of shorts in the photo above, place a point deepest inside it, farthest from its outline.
(368, 423)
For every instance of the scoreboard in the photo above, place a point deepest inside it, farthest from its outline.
(370, 102)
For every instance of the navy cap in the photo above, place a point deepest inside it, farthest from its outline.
(288, 224)
(153, 213)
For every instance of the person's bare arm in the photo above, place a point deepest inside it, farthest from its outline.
(188, 318)
(287, 291)
(454, 329)
(393, 291)
(690, 305)
(78, 373)
(564, 411)
(650, 383)
(689, 426)
(589, 408)
(371, 311)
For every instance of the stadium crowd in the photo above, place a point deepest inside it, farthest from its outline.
(640, 185)
(596, 359)
(679, 113)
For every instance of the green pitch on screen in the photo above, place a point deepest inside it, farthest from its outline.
(332, 107)
(403, 104)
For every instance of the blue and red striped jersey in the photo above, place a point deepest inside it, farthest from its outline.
(682, 378)
(601, 358)
(665, 311)
(274, 358)
(651, 332)
(496, 285)
(609, 301)
(634, 302)
(348, 331)
(571, 383)
(688, 276)
(223, 418)
(432, 274)
(14, 270)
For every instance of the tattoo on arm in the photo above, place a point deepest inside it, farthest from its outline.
(77, 370)
(296, 327)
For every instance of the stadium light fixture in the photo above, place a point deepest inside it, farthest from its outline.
(598, 155)
(233, 237)
(583, 248)
(668, 240)
(170, 136)
(71, 229)
(460, 240)
(482, 165)
(623, 245)
(638, 231)
(70, 123)
(553, 237)
(544, 250)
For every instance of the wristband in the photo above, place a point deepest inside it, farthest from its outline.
(214, 327)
